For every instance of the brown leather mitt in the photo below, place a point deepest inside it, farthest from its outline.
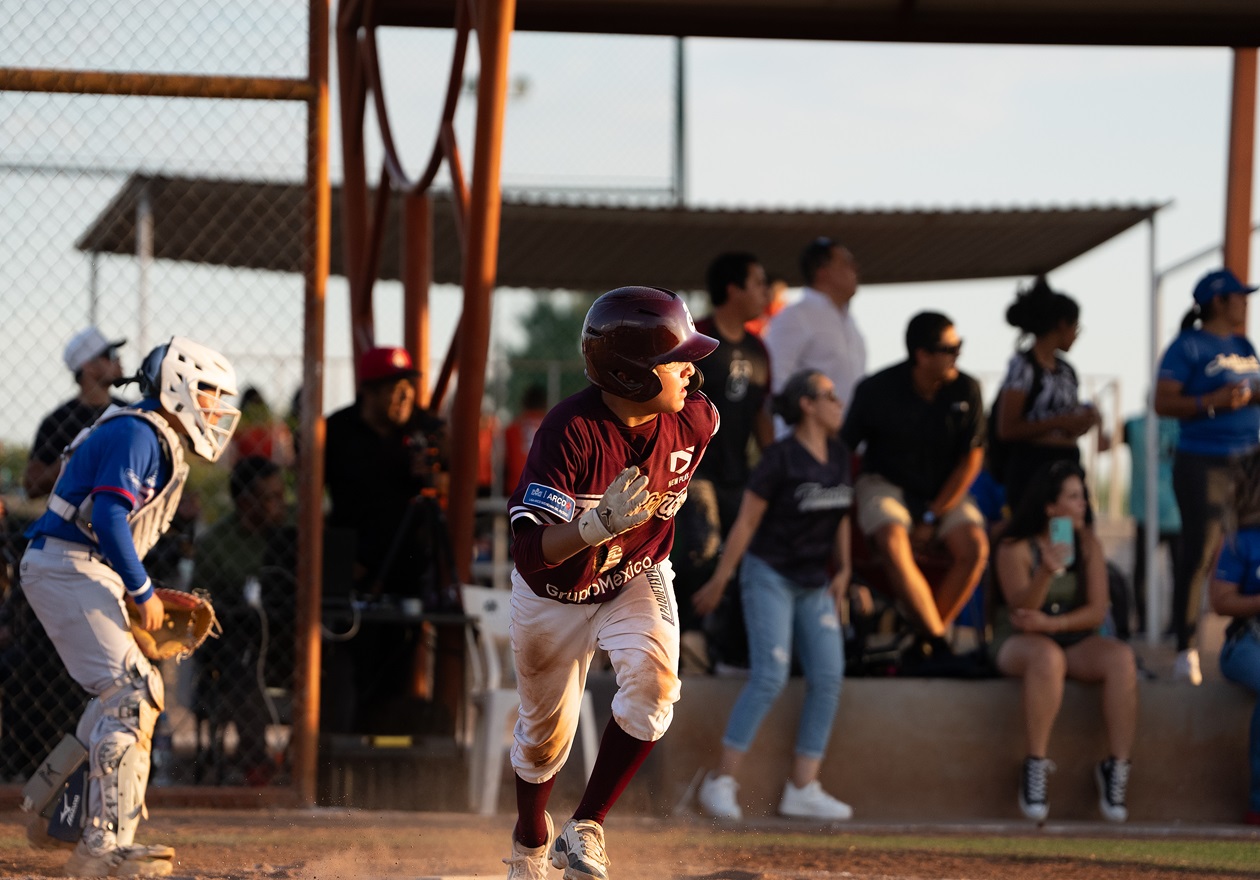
(189, 620)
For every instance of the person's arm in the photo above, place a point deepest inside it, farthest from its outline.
(841, 580)
(1022, 585)
(39, 477)
(1088, 616)
(958, 482)
(1172, 401)
(1227, 599)
(763, 426)
(109, 522)
(1013, 427)
(751, 510)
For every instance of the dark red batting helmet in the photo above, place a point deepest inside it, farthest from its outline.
(630, 330)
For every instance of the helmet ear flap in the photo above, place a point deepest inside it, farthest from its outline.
(696, 382)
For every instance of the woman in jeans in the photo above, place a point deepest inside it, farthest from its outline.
(1206, 380)
(1235, 592)
(792, 533)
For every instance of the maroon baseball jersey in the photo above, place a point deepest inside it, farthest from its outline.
(579, 449)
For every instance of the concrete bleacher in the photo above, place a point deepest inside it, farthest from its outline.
(942, 750)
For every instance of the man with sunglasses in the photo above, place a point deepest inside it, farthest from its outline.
(93, 360)
(919, 428)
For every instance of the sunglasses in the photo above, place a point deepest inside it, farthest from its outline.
(951, 350)
(829, 394)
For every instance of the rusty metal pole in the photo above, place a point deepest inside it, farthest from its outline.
(311, 485)
(354, 186)
(1242, 139)
(417, 276)
(494, 31)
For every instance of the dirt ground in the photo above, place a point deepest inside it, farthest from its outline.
(331, 844)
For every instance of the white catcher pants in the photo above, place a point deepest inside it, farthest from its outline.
(553, 644)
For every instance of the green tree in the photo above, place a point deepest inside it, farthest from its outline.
(551, 355)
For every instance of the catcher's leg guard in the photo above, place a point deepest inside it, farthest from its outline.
(56, 793)
(118, 753)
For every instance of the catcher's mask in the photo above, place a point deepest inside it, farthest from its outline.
(631, 330)
(190, 381)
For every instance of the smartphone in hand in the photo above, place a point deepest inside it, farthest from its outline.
(1062, 532)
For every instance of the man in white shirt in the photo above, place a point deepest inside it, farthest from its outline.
(818, 331)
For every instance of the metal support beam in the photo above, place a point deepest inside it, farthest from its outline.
(311, 486)
(1242, 139)
(493, 22)
(417, 272)
(155, 85)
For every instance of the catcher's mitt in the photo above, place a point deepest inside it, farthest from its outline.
(189, 620)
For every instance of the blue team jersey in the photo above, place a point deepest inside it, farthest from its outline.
(1203, 362)
(124, 457)
(1239, 562)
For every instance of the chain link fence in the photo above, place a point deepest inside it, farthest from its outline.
(88, 242)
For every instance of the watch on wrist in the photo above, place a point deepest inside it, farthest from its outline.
(928, 518)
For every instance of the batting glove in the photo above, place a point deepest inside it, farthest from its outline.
(622, 507)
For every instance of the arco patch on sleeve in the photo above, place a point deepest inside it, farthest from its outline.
(550, 500)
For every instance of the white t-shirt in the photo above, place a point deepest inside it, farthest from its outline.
(814, 333)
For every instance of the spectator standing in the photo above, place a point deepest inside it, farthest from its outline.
(592, 522)
(1052, 601)
(1235, 592)
(381, 461)
(93, 360)
(1040, 416)
(919, 429)
(818, 331)
(1169, 523)
(518, 436)
(1207, 379)
(777, 288)
(262, 433)
(737, 381)
(793, 537)
(228, 563)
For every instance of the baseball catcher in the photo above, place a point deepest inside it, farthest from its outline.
(120, 482)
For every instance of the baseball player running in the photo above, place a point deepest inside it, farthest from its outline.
(115, 496)
(592, 520)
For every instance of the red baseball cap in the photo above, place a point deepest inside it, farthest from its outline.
(378, 364)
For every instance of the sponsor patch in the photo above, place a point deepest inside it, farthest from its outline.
(550, 500)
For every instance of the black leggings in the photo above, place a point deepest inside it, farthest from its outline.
(1204, 493)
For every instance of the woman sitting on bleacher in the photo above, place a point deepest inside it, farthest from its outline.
(1052, 601)
(1235, 592)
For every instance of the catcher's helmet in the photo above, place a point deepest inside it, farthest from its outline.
(630, 330)
(190, 382)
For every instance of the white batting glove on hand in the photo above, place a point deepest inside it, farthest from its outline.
(621, 508)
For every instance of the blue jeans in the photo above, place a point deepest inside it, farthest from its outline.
(1240, 662)
(777, 612)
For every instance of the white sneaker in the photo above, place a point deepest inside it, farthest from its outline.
(529, 863)
(580, 851)
(1186, 667)
(811, 802)
(717, 797)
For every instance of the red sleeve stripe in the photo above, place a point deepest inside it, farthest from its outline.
(117, 490)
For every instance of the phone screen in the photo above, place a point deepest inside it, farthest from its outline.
(1061, 532)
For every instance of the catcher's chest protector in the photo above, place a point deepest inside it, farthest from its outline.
(149, 522)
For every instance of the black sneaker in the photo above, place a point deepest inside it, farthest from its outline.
(1112, 776)
(1033, 801)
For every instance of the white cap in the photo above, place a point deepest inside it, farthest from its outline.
(85, 345)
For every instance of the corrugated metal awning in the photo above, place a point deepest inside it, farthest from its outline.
(584, 245)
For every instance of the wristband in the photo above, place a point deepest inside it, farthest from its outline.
(592, 528)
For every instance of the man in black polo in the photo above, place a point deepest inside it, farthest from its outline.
(921, 423)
